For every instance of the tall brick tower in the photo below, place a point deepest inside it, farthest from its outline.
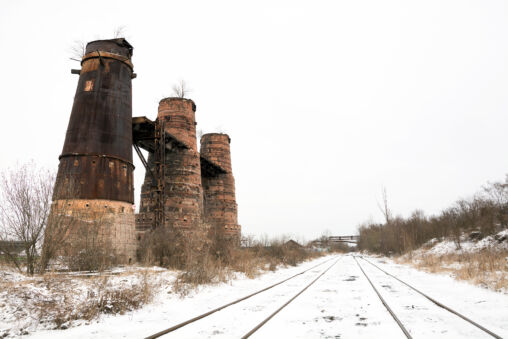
(183, 193)
(94, 185)
(220, 206)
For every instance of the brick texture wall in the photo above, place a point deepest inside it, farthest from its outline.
(220, 208)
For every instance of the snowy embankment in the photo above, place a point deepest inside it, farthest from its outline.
(480, 261)
(61, 301)
(341, 304)
(498, 242)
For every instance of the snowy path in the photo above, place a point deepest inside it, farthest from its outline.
(341, 304)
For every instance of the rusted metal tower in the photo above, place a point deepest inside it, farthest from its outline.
(95, 174)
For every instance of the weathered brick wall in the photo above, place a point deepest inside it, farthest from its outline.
(220, 208)
(102, 225)
(179, 119)
(183, 193)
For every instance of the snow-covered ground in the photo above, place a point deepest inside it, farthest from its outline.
(30, 304)
(482, 261)
(341, 304)
(492, 242)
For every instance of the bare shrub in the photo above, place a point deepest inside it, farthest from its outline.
(60, 223)
(119, 31)
(165, 247)
(206, 257)
(340, 248)
(26, 192)
(181, 90)
(87, 252)
(77, 50)
(102, 297)
(81, 236)
(487, 268)
(186, 250)
(486, 212)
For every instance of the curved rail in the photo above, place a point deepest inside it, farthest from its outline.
(182, 324)
(384, 303)
(287, 303)
(437, 302)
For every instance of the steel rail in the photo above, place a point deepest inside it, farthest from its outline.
(182, 324)
(384, 303)
(437, 302)
(287, 303)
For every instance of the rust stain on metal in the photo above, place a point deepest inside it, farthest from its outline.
(95, 176)
(99, 134)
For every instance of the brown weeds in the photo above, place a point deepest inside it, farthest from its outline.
(217, 260)
(487, 268)
(57, 300)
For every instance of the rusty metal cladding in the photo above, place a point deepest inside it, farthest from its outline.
(94, 185)
(97, 153)
(220, 206)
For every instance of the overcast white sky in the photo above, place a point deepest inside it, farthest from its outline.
(326, 102)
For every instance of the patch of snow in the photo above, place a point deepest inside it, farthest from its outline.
(437, 247)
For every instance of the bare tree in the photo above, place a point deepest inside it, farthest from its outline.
(119, 31)
(248, 240)
(497, 191)
(325, 238)
(60, 221)
(89, 247)
(77, 50)
(26, 192)
(199, 134)
(384, 206)
(181, 90)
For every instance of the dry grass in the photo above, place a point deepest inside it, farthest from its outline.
(487, 268)
(54, 301)
(204, 258)
(102, 297)
(209, 268)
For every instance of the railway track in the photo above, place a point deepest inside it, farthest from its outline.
(388, 308)
(437, 303)
(251, 332)
(403, 320)
(206, 314)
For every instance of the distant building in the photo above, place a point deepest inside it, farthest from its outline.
(292, 244)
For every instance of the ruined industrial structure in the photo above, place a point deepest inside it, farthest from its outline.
(197, 190)
(94, 190)
(94, 184)
(220, 207)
